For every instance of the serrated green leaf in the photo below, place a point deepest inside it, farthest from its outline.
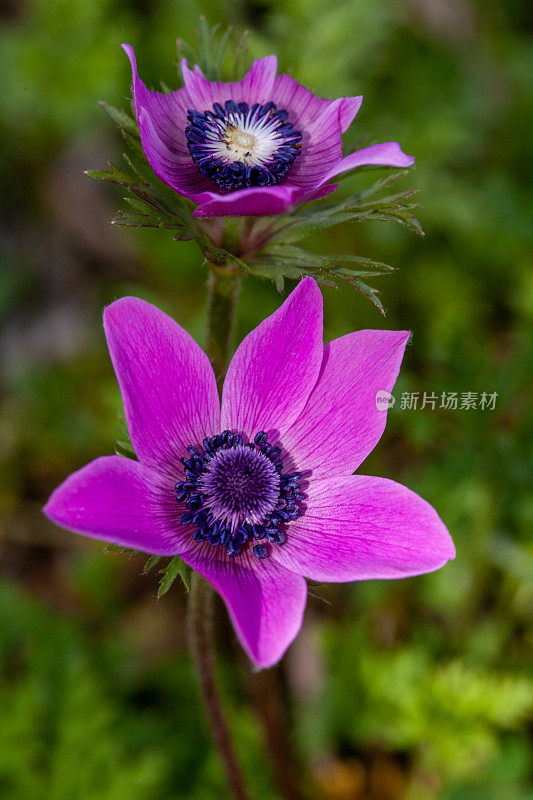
(114, 175)
(125, 449)
(143, 218)
(289, 253)
(211, 49)
(184, 235)
(121, 118)
(367, 291)
(174, 569)
(184, 50)
(373, 267)
(363, 206)
(392, 200)
(135, 170)
(140, 206)
(151, 563)
(134, 143)
(376, 187)
(131, 220)
(241, 56)
(221, 52)
(279, 282)
(205, 48)
(115, 548)
(298, 229)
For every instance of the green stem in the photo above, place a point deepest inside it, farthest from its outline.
(200, 630)
(223, 293)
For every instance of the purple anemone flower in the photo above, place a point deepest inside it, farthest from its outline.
(255, 492)
(250, 148)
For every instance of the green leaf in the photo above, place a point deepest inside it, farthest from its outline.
(114, 175)
(131, 220)
(121, 118)
(241, 57)
(151, 563)
(279, 282)
(297, 230)
(367, 291)
(184, 50)
(134, 143)
(123, 445)
(363, 206)
(210, 52)
(117, 548)
(125, 449)
(174, 569)
(221, 52)
(205, 48)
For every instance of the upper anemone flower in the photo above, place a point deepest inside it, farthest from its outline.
(250, 148)
(255, 492)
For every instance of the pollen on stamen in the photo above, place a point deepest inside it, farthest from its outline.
(238, 146)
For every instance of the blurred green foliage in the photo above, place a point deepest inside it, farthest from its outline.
(432, 673)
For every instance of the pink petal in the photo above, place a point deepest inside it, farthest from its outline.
(167, 383)
(305, 108)
(389, 154)
(120, 501)
(162, 121)
(321, 148)
(276, 366)
(254, 202)
(358, 528)
(180, 173)
(265, 601)
(341, 424)
(321, 144)
(321, 123)
(255, 87)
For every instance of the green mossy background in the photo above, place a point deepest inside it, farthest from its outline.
(409, 690)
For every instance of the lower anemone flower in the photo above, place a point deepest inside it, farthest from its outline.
(256, 493)
(249, 148)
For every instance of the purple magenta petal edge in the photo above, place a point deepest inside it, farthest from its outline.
(265, 601)
(116, 500)
(362, 528)
(167, 383)
(341, 422)
(276, 366)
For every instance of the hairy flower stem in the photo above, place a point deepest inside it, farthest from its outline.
(265, 690)
(200, 630)
(223, 293)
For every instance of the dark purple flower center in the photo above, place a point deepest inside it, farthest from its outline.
(237, 145)
(237, 492)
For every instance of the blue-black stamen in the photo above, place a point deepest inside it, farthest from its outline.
(237, 492)
(236, 146)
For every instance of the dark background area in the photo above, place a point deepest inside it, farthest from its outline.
(408, 690)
